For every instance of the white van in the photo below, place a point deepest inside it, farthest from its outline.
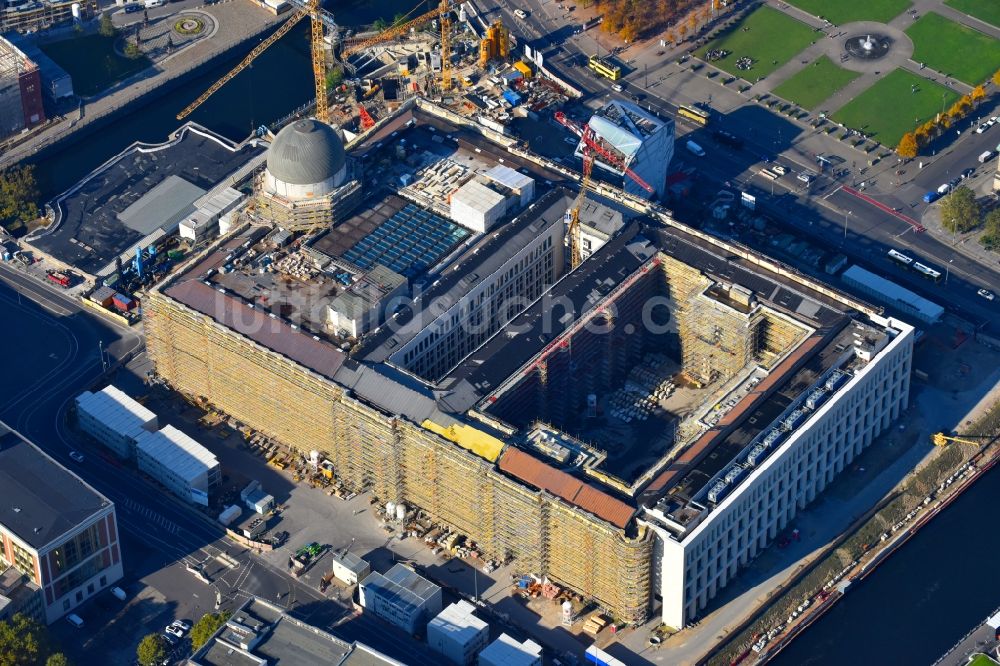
(149, 4)
(695, 149)
(75, 620)
(986, 157)
(617, 87)
(119, 593)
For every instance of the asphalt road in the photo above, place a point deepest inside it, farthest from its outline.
(871, 231)
(52, 354)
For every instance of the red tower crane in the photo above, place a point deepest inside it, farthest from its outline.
(591, 147)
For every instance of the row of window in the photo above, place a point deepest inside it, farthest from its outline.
(793, 483)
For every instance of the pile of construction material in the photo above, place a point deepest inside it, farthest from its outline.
(296, 265)
(648, 383)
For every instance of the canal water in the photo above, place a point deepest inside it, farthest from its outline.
(279, 81)
(923, 599)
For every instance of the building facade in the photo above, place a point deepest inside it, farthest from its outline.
(114, 419)
(184, 466)
(458, 634)
(20, 91)
(401, 597)
(54, 528)
(694, 562)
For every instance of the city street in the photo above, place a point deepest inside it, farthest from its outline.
(821, 211)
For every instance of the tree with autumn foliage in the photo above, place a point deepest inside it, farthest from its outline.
(907, 146)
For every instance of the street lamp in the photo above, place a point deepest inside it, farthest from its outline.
(846, 213)
(947, 270)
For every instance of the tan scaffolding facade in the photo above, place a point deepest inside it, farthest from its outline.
(43, 15)
(399, 460)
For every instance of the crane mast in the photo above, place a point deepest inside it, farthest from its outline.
(445, 46)
(319, 63)
(591, 148)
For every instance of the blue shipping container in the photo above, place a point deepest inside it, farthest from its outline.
(512, 97)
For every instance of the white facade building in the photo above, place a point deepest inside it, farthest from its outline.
(645, 142)
(458, 634)
(701, 546)
(520, 184)
(401, 597)
(505, 651)
(477, 206)
(114, 419)
(181, 464)
(348, 567)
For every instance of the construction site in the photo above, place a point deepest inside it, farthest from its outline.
(409, 310)
(20, 91)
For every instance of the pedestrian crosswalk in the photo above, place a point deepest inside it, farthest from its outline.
(149, 515)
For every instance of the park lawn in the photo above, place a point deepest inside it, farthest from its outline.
(953, 49)
(840, 12)
(92, 62)
(982, 660)
(888, 110)
(816, 83)
(772, 40)
(981, 9)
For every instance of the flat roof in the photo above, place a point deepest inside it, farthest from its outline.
(115, 409)
(459, 620)
(285, 641)
(541, 475)
(496, 360)
(507, 651)
(87, 233)
(271, 332)
(42, 500)
(173, 449)
(163, 207)
(401, 586)
(477, 262)
(892, 294)
(393, 232)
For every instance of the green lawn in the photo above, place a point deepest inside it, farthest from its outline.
(982, 660)
(815, 83)
(888, 109)
(958, 51)
(984, 10)
(92, 62)
(768, 36)
(848, 11)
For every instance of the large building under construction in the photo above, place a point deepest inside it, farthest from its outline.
(609, 427)
(20, 91)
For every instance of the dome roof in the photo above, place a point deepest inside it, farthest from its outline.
(306, 152)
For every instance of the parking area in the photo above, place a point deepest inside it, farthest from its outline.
(113, 628)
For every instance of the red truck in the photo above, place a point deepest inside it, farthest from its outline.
(60, 279)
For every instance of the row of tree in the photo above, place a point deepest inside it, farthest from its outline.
(637, 19)
(961, 213)
(25, 642)
(18, 197)
(911, 143)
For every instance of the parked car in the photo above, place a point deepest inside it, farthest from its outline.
(987, 294)
(119, 593)
(172, 637)
(75, 620)
(184, 625)
(982, 128)
(76, 456)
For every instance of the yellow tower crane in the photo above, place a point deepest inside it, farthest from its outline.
(311, 9)
(445, 21)
(941, 439)
(317, 15)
